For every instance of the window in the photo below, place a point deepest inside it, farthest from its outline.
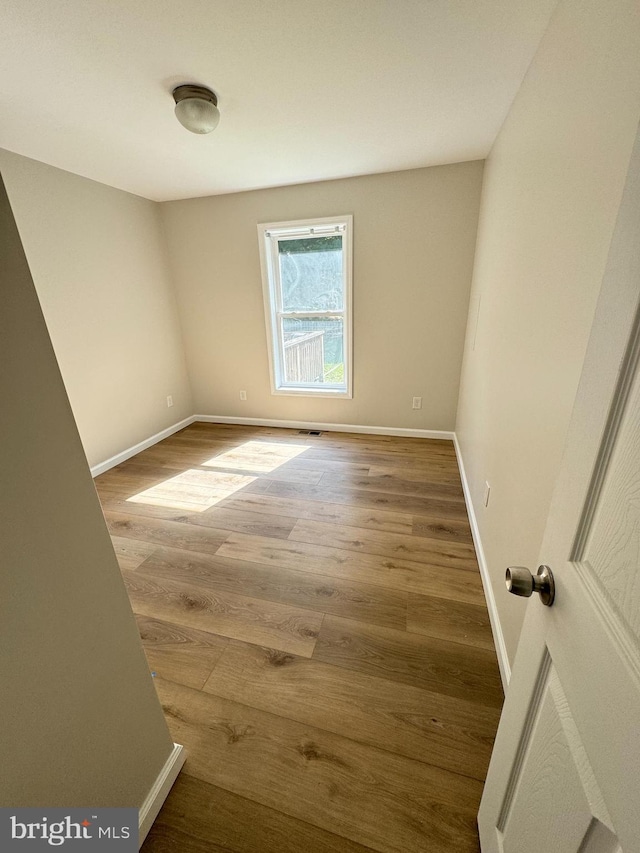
(306, 277)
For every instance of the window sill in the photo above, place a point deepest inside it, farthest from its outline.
(308, 392)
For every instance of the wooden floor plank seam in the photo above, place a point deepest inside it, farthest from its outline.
(326, 728)
(326, 775)
(282, 660)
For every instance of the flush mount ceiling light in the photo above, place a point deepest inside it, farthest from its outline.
(196, 108)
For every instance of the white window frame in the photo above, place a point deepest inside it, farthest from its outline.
(268, 236)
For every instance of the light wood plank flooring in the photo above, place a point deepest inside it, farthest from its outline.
(313, 615)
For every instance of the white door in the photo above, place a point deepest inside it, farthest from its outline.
(565, 771)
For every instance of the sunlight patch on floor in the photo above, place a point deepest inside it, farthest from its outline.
(261, 457)
(193, 490)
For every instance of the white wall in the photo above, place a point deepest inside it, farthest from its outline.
(81, 724)
(552, 187)
(97, 257)
(414, 238)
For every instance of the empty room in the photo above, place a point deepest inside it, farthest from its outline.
(320, 346)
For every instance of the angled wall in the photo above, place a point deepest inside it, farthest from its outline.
(81, 724)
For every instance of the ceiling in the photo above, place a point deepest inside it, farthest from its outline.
(307, 90)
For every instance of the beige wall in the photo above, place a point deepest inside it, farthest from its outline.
(414, 238)
(81, 725)
(552, 187)
(98, 262)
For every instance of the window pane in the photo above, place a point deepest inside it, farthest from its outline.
(314, 351)
(311, 273)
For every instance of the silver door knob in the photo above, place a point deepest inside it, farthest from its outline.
(520, 581)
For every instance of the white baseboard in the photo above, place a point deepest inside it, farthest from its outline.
(160, 790)
(371, 430)
(101, 467)
(494, 618)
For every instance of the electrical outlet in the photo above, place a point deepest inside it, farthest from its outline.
(243, 395)
(417, 402)
(169, 401)
(487, 492)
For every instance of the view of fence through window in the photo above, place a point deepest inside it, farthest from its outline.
(311, 280)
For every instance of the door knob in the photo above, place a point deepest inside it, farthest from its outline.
(520, 581)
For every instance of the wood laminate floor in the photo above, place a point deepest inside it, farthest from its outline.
(313, 613)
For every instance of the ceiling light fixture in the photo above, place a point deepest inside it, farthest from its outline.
(196, 108)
